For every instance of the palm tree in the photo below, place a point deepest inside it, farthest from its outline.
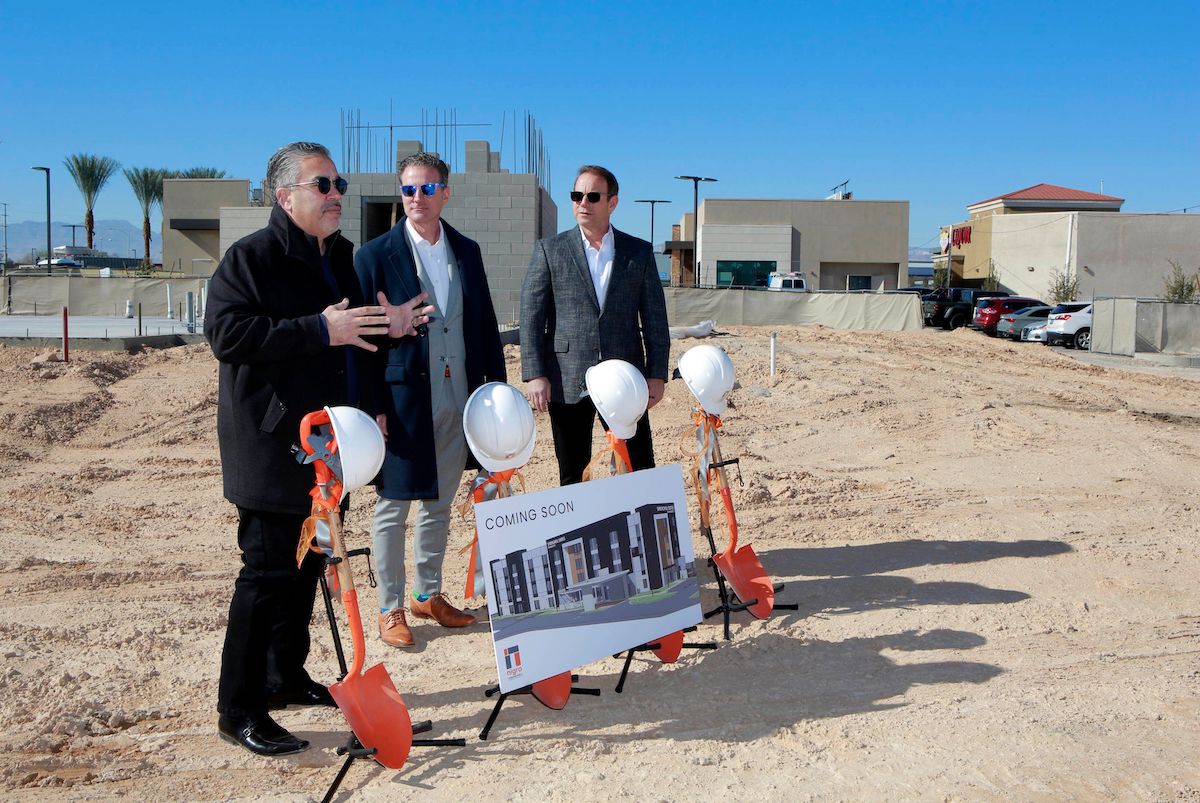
(91, 173)
(147, 184)
(198, 172)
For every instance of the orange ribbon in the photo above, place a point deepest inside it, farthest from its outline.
(502, 480)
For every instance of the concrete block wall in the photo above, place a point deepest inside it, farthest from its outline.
(239, 221)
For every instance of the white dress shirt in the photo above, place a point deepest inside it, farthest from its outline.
(600, 262)
(435, 262)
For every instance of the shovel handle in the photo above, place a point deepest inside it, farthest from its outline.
(722, 483)
(623, 464)
(349, 595)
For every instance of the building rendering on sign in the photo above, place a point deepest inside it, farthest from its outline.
(600, 564)
(504, 212)
(837, 243)
(1023, 240)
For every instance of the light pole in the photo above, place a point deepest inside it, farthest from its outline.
(73, 227)
(652, 203)
(122, 232)
(4, 264)
(695, 222)
(49, 251)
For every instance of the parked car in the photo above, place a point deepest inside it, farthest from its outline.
(953, 308)
(988, 311)
(1012, 323)
(59, 262)
(1070, 325)
(1034, 333)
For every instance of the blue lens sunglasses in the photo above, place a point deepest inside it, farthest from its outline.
(410, 190)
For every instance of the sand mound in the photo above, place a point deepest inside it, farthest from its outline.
(992, 547)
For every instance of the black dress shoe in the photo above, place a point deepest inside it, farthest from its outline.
(263, 736)
(312, 693)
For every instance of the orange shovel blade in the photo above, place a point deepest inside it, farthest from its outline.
(749, 579)
(669, 647)
(377, 714)
(553, 692)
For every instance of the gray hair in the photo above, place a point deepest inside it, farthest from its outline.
(284, 167)
(424, 159)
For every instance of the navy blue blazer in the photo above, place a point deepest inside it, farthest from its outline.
(396, 378)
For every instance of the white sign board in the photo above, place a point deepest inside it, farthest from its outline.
(578, 573)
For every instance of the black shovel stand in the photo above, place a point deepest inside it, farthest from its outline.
(653, 645)
(729, 599)
(494, 690)
(353, 748)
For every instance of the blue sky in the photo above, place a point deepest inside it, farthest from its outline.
(941, 104)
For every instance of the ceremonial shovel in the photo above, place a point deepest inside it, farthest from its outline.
(369, 700)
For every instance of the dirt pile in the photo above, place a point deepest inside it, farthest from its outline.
(993, 548)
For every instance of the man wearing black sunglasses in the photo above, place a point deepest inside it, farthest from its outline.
(421, 385)
(287, 321)
(591, 293)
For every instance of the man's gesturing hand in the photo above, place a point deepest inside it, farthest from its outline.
(407, 316)
(348, 327)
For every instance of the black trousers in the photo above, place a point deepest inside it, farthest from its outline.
(267, 641)
(571, 425)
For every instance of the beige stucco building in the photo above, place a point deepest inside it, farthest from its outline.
(1024, 239)
(191, 225)
(837, 244)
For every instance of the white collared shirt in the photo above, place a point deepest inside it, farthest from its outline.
(600, 261)
(435, 261)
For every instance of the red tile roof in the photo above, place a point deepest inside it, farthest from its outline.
(1050, 192)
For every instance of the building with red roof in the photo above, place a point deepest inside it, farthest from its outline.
(1022, 240)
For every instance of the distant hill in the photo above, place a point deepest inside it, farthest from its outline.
(117, 237)
(919, 254)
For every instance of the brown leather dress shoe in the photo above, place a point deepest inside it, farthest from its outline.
(438, 608)
(393, 629)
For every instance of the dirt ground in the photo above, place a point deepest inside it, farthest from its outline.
(992, 546)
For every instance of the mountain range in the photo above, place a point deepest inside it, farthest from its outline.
(117, 237)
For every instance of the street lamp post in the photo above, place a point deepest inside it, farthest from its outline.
(73, 227)
(49, 251)
(695, 222)
(652, 203)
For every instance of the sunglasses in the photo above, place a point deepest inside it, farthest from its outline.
(430, 189)
(593, 197)
(324, 184)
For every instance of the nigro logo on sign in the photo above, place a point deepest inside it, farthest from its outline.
(512, 661)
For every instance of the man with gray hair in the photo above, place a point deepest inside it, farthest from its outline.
(286, 319)
(421, 385)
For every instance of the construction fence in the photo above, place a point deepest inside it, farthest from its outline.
(746, 307)
(1129, 326)
(47, 295)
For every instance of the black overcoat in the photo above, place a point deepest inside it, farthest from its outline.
(263, 323)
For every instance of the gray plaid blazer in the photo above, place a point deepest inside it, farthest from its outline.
(563, 330)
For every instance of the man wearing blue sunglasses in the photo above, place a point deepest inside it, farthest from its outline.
(422, 384)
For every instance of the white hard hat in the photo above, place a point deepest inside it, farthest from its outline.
(360, 446)
(620, 394)
(498, 423)
(708, 373)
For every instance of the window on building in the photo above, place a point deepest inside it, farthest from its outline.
(665, 550)
(858, 282)
(734, 273)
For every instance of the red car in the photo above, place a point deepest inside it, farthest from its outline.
(989, 310)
